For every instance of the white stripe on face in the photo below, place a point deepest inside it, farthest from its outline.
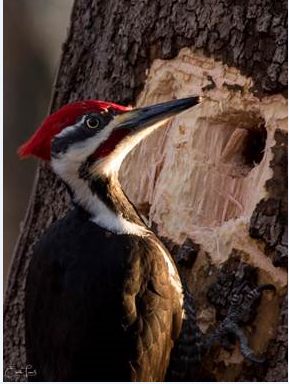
(71, 128)
(79, 151)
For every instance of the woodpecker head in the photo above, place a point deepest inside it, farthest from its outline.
(96, 134)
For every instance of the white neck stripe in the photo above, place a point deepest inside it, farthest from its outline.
(118, 224)
(101, 214)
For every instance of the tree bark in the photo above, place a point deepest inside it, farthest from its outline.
(214, 177)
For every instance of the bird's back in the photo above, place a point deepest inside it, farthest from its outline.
(99, 306)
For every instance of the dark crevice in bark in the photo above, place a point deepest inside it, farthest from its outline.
(269, 219)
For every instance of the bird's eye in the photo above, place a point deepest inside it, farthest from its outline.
(92, 122)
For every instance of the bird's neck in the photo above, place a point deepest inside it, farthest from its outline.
(103, 198)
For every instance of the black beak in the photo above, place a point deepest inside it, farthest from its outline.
(138, 119)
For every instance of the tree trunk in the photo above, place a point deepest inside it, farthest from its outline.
(213, 180)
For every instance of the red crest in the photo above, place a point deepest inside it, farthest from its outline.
(39, 145)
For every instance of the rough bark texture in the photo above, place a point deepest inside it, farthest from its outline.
(110, 54)
(268, 221)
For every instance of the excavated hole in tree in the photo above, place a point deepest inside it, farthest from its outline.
(229, 149)
(223, 176)
(244, 149)
(212, 169)
(254, 146)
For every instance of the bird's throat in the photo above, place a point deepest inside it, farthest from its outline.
(100, 195)
(109, 191)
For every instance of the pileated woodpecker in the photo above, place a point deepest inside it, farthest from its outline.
(104, 300)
